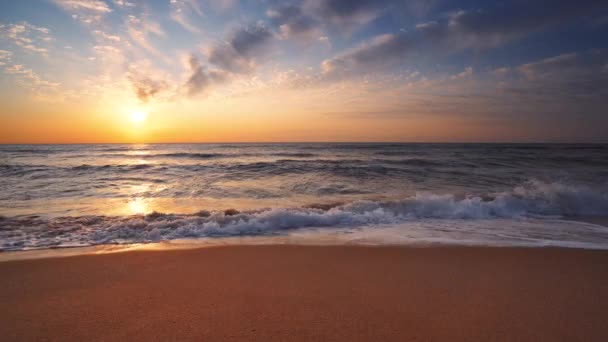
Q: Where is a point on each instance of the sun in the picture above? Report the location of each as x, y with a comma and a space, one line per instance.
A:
138, 116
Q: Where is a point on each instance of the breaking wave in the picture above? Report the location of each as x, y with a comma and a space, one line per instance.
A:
532, 200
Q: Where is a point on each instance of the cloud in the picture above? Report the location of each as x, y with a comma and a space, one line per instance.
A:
307, 20
548, 67
570, 75
238, 54
235, 56
248, 41
292, 22
32, 79
39, 86
5, 57
570, 80
461, 30
222, 5
124, 3
200, 79
380, 51
500, 24
27, 36
182, 10
87, 11
141, 29
109, 54
468, 72
105, 36
145, 86
517, 18
347, 15
88, 5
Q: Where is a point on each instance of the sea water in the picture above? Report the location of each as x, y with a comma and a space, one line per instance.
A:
371, 193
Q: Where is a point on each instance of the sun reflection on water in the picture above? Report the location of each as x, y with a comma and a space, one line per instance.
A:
138, 206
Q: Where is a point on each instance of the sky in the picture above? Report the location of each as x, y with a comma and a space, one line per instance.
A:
85, 71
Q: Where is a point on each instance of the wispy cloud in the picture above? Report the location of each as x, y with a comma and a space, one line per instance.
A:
570, 75
347, 14
310, 19
5, 57
124, 3
106, 36
40, 87
88, 5
141, 29
87, 11
27, 36
183, 10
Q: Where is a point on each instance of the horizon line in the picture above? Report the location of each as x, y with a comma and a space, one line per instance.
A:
313, 142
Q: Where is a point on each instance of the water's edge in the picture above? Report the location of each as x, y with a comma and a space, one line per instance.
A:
307, 238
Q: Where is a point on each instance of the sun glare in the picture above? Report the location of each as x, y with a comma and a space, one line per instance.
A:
138, 116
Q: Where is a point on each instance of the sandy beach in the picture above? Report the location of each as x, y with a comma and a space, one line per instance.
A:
296, 293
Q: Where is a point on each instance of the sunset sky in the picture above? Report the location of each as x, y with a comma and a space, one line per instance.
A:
76, 71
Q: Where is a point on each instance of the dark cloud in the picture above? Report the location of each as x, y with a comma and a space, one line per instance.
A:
247, 41
348, 14
486, 28
523, 16
292, 22
473, 29
238, 54
144, 86
549, 67
573, 75
201, 79
235, 56
377, 53
308, 19
344, 9
198, 80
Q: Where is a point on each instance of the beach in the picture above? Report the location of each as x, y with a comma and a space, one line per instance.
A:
306, 293
303, 170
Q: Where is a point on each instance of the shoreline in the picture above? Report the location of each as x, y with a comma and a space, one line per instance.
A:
287, 292
170, 246
589, 232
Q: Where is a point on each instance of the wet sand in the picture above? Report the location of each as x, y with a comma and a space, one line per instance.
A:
304, 293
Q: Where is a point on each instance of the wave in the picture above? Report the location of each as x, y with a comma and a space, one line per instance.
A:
209, 155
126, 148
533, 199
185, 155
8, 170
334, 167
33, 150
414, 162
293, 154
123, 167
400, 153
133, 179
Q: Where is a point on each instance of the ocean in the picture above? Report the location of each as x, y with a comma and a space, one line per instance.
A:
56, 196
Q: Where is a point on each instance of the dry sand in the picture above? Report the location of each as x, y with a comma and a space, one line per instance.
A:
291, 293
